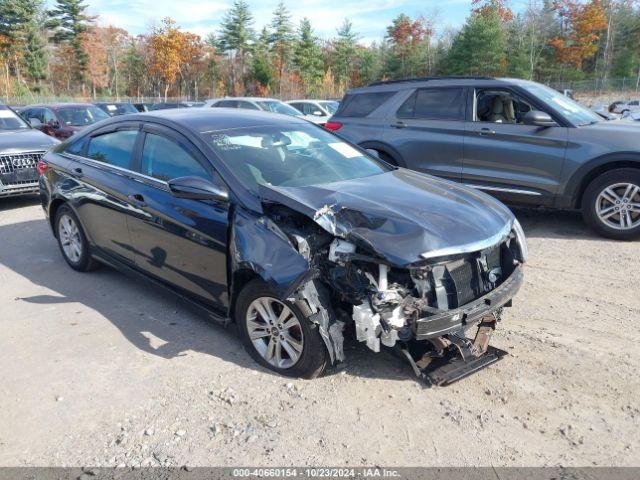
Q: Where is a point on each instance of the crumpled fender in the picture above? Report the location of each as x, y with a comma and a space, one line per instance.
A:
256, 243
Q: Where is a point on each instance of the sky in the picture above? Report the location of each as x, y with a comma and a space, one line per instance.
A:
369, 17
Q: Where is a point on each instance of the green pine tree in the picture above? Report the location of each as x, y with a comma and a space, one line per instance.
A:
236, 37
281, 39
345, 52
308, 57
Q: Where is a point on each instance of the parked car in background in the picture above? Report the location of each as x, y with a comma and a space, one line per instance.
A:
614, 107
116, 108
257, 103
316, 111
142, 107
61, 120
518, 140
631, 116
622, 107
21, 147
294, 234
168, 105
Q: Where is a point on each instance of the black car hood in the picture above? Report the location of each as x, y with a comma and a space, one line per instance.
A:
399, 215
24, 140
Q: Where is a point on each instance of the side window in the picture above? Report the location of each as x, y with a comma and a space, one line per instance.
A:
227, 104
434, 103
247, 106
362, 104
48, 116
309, 108
76, 147
164, 159
298, 106
500, 106
114, 148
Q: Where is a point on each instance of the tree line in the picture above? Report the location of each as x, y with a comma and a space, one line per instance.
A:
63, 51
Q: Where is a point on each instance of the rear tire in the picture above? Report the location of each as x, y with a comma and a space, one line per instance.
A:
72, 241
277, 334
611, 204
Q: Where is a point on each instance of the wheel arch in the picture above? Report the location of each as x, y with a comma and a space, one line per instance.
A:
384, 148
588, 172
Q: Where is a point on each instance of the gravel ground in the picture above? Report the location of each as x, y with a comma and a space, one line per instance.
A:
98, 369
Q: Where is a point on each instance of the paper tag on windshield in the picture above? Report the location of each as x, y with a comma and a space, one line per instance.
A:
345, 149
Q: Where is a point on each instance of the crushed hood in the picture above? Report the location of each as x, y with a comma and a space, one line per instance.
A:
399, 214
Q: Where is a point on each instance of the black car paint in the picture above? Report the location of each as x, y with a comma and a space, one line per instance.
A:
205, 249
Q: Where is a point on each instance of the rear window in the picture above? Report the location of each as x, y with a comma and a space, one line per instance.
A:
432, 103
362, 104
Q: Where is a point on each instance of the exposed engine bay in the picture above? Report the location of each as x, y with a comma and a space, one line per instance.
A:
423, 309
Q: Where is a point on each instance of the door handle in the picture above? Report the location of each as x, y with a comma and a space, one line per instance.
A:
399, 125
485, 131
77, 173
137, 200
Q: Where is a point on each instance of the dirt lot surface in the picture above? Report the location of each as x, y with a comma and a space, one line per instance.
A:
98, 369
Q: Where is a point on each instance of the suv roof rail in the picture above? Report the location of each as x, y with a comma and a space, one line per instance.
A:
426, 79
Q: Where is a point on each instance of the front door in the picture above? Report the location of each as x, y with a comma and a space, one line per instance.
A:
515, 162
182, 242
428, 131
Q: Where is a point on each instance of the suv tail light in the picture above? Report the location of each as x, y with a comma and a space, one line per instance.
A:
42, 167
333, 126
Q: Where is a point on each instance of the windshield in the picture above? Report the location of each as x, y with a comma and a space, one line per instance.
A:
10, 121
290, 156
81, 116
119, 108
277, 107
330, 106
572, 110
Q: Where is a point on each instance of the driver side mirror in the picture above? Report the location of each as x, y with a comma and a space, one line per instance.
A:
35, 122
197, 188
539, 119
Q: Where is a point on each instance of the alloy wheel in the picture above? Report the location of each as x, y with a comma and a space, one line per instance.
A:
275, 332
70, 239
618, 206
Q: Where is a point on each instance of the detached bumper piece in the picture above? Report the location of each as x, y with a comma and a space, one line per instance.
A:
442, 372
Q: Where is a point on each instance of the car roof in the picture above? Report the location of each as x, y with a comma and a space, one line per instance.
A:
213, 119
113, 103
461, 81
252, 99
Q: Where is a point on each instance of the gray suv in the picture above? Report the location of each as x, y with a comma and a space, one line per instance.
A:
525, 143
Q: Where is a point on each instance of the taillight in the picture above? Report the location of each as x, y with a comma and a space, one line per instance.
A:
333, 126
42, 167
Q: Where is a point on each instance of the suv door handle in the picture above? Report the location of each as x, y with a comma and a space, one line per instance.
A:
399, 125
485, 131
137, 200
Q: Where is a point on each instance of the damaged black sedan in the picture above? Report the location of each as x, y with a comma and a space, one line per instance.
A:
294, 234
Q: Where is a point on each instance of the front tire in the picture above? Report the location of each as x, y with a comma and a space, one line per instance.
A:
277, 334
72, 241
611, 204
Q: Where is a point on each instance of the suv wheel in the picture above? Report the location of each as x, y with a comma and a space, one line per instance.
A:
277, 334
611, 204
72, 241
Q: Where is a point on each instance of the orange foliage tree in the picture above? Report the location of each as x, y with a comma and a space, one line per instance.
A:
96, 67
582, 25
482, 7
166, 48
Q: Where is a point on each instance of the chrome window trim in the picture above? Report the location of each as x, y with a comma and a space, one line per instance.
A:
503, 189
473, 246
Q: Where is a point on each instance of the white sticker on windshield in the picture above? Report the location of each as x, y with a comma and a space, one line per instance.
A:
345, 149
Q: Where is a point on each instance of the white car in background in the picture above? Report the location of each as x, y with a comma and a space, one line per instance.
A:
255, 103
317, 111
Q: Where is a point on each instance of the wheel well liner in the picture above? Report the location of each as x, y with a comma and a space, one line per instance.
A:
53, 208
239, 279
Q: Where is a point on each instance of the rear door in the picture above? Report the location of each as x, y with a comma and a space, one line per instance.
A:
101, 174
515, 162
427, 130
182, 242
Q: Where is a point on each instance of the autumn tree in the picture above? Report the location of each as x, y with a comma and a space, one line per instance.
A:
483, 7
96, 67
409, 41
582, 25
166, 47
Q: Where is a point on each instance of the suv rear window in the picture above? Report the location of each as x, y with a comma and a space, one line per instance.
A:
361, 104
432, 103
